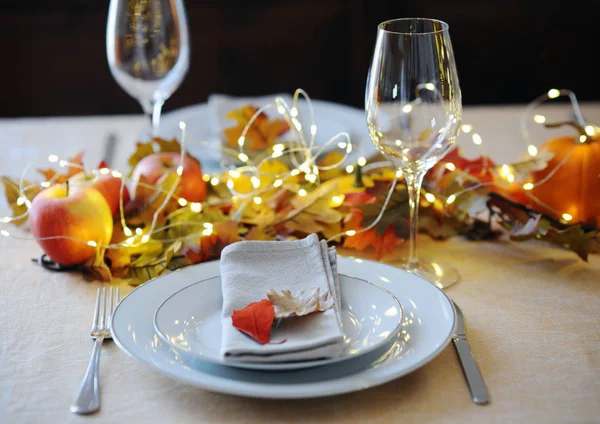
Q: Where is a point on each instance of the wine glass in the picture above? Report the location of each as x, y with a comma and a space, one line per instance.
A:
147, 45
413, 107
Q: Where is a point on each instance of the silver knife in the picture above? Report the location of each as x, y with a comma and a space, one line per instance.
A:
475, 382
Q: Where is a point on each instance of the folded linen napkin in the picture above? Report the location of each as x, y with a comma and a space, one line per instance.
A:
249, 269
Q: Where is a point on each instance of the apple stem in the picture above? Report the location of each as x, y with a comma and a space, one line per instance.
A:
67, 184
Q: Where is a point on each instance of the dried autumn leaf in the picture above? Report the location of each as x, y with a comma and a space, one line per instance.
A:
13, 194
574, 237
383, 244
303, 303
210, 247
95, 268
255, 320
261, 135
74, 167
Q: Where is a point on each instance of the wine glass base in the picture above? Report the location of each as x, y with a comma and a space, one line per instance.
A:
440, 274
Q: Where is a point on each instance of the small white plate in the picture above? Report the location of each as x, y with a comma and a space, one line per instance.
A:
427, 327
190, 320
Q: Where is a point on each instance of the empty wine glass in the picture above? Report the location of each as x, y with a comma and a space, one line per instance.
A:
147, 45
413, 106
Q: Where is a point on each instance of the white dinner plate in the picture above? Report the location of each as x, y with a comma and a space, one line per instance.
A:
190, 321
330, 119
427, 327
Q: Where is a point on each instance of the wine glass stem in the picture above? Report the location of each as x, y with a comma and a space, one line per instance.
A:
413, 183
156, 110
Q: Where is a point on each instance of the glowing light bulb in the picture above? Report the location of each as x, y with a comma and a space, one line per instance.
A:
277, 154
182, 201
214, 181
53, 158
179, 170
302, 192
92, 243
230, 184
342, 144
430, 197
281, 109
295, 172
234, 174
20, 201
196, 207
429, 86
407, 108
527, 186
257, 200
297, 124
116, 174
104, 171
540, 119
206, 177
255, 182
243, 157
477, 139
45, 184
277, 183
399, 173
337, 200
208, 225
279, 147
567, 217
532, 150
311, 178
505, 170
294, 112
450, 166
207, 232
350, 233
582, 138
6, 219
350, 169
139, 231
590, 130
510, 178
451, 199
241, 141
313, 129
145, 238
5, 233
466, 128
553, 93
62, 163
127, 231
361, 161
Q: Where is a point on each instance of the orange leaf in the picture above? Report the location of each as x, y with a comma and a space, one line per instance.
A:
383, 244
261, 135
255, 320
210, 247
76, 160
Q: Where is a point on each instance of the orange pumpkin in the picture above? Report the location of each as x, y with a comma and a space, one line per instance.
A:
574, 188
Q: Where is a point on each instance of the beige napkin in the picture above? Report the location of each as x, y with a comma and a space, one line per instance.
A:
249, 269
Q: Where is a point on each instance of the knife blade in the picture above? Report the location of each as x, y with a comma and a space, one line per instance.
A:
477, 387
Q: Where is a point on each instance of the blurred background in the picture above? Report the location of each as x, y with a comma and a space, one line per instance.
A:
54, 55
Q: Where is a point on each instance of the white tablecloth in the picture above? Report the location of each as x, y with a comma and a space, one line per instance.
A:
532, 310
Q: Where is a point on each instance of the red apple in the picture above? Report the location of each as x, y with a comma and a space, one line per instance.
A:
152, 167
108, 185
78, 212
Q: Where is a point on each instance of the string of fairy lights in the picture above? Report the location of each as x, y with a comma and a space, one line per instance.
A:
303, 153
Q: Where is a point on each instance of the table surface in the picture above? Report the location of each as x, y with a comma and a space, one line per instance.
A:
532, 312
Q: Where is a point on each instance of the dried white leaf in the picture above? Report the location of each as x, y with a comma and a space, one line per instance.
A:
286, 304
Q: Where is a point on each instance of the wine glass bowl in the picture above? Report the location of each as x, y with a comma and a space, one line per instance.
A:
147, 46
413, 108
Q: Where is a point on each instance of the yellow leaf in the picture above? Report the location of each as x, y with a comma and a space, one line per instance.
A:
260, 135
12, 193
330, 159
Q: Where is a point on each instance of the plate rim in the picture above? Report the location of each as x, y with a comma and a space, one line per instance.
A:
282, 366
281, 394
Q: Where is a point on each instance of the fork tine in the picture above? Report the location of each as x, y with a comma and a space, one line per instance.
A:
112, 307
96, 312
101, 325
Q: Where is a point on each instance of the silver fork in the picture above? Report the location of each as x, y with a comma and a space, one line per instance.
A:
88, 399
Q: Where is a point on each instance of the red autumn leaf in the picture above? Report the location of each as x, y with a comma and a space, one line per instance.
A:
255, 320
478, 168
383, 244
